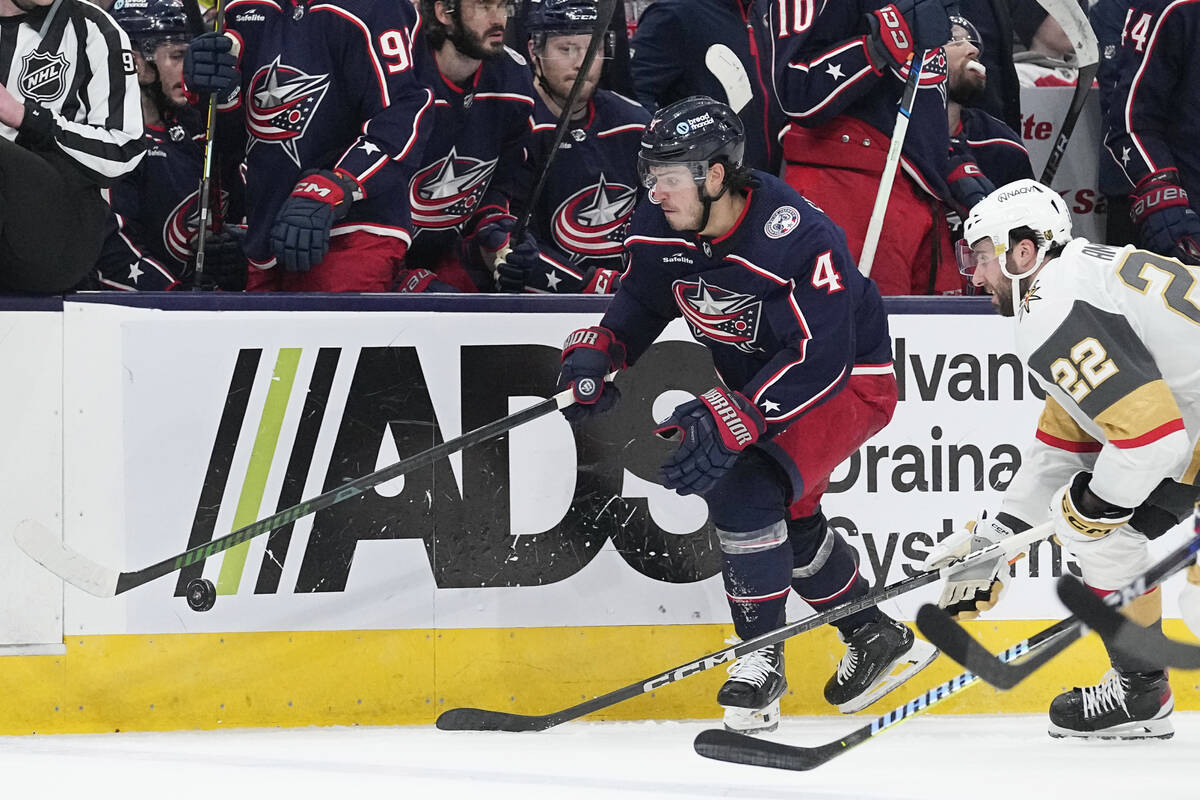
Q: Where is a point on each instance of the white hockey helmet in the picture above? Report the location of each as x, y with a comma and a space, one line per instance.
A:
1020, 204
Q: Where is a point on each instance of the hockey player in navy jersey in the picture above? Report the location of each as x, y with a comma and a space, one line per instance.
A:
800, 340
583, 212
1152, 122
152, 223
461, 195
839, 73
322, 103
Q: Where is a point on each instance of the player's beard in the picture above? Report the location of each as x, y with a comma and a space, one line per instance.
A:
474, 46
966, 92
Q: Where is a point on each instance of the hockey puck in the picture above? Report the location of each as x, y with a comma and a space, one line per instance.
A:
201, 594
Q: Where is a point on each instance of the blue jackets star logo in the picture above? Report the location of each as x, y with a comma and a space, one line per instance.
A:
719, 314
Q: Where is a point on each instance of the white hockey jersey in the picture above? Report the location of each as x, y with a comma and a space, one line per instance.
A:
1113, 335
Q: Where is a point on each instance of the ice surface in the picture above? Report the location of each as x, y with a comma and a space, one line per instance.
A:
927, 758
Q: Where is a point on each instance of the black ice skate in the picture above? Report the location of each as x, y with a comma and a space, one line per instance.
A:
1129, 705
751, 695
879, 657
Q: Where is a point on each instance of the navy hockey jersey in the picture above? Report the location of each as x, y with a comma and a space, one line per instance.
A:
474, 161
683, 48
328, 85
1155, 110
592, 188
821, 68
993, 145
777, 300
153, 217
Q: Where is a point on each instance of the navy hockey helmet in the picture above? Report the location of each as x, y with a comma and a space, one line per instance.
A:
149, 23
695, 132
963, 30
561, 16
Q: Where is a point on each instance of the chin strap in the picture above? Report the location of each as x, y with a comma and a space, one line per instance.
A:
707, 202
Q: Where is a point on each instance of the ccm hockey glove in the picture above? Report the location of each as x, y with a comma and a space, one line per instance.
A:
975, 588
712, 431
1164, 218
588, 355
1082, 518
300, 235
968, 185
907, 27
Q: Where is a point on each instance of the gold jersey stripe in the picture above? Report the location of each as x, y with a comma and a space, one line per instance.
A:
1149, 408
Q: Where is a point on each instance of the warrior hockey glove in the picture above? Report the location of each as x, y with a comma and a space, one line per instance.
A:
300, 235
516, 271
968, 185
224, 262
712, 431
1166, 223
588, 355
1080, 517
975, 588
210, 64
907, 26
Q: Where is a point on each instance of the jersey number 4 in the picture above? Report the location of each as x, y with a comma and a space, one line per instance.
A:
825, 276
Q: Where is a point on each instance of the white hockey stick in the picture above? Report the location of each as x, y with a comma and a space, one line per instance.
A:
875, 226
1074, 23
726, 68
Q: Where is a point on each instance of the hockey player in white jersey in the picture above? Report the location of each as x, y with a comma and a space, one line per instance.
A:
1113, 335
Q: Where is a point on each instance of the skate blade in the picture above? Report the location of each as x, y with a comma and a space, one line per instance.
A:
1127, 732
918, 657
752, 721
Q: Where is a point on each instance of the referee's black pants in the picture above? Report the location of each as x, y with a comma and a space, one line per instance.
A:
51, 221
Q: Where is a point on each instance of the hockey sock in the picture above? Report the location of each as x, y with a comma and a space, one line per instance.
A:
1145, 610
756, 585
825, 571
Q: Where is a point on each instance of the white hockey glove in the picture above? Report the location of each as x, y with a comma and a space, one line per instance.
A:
1080, 517
975, 588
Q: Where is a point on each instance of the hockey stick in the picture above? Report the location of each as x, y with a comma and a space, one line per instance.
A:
204, 201
875, 226
729, 71
1122, 633
477, 719
604, 12
43, 545
738, 748
1074, 22
953, 640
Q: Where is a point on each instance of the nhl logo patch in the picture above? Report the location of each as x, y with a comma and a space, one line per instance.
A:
782, 222
43, 76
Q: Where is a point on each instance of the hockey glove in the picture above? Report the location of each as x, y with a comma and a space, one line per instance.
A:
300, 235
588, 355
907, 27
968, 185
712, 431
1164, 218
492, 236
210, 64
515, 272
974, 588
1082, 518
224, 262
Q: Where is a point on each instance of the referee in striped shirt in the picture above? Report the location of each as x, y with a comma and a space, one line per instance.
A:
70, 122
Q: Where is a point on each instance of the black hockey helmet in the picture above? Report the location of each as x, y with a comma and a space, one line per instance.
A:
695, 132
963, 30
561, 16
149, 23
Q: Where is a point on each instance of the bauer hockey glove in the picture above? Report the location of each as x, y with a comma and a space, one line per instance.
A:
974, 588
516, 271
1165, 220
300, 235
588, 355
712, 431
210, 64
1080, 517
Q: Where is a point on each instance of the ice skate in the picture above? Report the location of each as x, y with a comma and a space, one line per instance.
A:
1123, 705
751, 695
879, 657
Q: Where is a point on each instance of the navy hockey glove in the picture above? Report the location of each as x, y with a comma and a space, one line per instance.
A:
907, 26
300, 235
492, 236
712, 431
588, 355
210, 64
968, 185
224, 262
515, 272
1166, 223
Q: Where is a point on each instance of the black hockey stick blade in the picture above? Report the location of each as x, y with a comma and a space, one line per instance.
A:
1122, 633
738, 748
944, 632
481, 719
